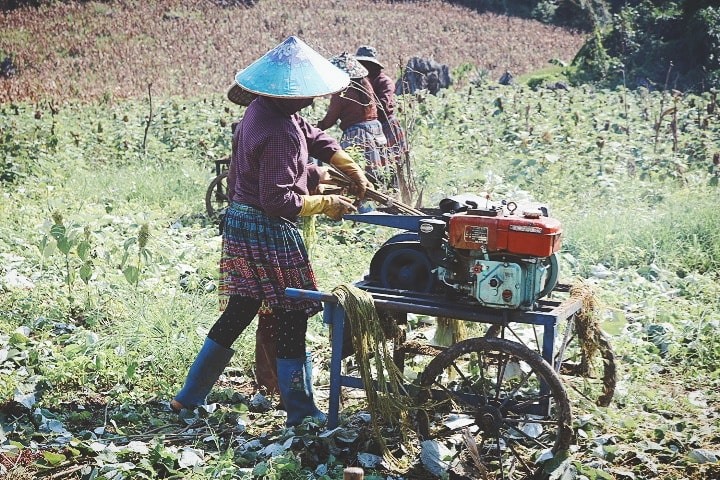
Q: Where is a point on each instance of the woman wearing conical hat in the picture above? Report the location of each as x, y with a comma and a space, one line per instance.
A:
265, 368
263, 252
356, 109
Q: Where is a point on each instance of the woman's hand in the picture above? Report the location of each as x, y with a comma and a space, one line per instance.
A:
343, 162
334, 206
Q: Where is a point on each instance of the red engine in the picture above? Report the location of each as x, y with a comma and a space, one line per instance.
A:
500, 256
529, 233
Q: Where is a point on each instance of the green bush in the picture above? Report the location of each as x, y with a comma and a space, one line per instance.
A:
656, 44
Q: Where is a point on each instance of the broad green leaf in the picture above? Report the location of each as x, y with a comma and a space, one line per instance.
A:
64, 245
131, 274
49, 248
138, 447
18, 338
260, 470
54, 458
83, 249
190, 457
57, 231
74, 452
86, 272
130, 370
704, 455
124, 259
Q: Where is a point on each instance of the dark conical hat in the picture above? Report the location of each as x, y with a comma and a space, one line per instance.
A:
292, 70
349, 65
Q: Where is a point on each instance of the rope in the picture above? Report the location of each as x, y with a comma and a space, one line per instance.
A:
386, 395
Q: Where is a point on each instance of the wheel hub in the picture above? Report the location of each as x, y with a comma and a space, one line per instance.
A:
489, 419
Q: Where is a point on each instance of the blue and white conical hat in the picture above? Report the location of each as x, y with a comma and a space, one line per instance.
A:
292, 70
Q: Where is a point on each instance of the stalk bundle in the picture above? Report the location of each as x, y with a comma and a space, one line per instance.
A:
392, 205
386, 395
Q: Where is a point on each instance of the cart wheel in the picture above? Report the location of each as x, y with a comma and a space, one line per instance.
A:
216, 199
501, 396
593, 378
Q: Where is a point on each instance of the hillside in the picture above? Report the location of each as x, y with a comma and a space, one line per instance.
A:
114, 50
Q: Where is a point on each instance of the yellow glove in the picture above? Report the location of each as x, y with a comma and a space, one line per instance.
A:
334, 206
345, 164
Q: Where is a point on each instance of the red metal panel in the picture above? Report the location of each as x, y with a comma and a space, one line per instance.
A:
516, 234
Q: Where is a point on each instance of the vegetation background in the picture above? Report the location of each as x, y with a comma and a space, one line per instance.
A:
116, 49
111, 114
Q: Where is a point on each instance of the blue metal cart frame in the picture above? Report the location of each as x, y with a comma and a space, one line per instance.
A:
548, 314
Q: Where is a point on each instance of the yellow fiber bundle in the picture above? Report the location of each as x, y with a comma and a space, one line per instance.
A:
309, 234
586, 322
386, 395
449, 331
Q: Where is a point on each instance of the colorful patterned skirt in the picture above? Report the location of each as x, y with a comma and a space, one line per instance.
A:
369, 138
396, 141
261, 256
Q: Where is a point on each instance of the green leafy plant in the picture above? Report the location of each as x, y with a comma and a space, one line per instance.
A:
142, 255
640, 221
75, 248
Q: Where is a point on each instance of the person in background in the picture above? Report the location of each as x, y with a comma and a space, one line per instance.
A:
356, 109
384, 88
262, 251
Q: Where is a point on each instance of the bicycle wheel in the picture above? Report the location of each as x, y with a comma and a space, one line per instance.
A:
502, 398
216, 198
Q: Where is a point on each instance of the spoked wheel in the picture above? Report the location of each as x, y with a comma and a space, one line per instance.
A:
216, 196
500, 396
586, 365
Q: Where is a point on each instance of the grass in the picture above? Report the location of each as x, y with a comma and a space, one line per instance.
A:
123, 345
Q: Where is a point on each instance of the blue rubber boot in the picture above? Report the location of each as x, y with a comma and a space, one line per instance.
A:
295, 382
204, 372
307, 370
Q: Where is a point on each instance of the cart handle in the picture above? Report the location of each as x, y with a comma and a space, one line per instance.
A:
311, 295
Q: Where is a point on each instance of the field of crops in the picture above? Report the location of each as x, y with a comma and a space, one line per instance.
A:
113, 50
108, 260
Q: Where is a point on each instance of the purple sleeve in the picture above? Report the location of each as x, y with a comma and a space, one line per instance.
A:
313, 179
279, 168
320, 145
385, 91
332, 115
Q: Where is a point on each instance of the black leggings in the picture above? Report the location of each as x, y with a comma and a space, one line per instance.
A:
292, 326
